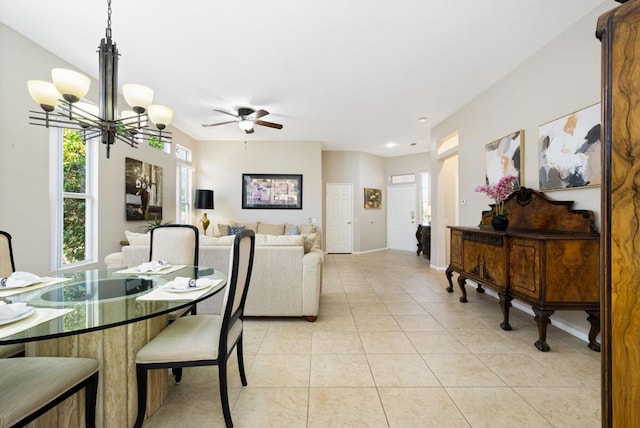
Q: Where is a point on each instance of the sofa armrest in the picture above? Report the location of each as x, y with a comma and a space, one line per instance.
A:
114, 260
312, 282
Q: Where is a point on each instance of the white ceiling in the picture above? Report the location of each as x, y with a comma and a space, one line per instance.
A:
354, 74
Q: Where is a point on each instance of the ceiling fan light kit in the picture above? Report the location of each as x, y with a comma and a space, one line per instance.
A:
246, 119
61, 109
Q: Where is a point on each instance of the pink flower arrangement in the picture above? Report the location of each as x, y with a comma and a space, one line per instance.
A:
499, 192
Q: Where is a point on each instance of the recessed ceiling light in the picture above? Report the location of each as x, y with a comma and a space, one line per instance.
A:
390, 145
422, 119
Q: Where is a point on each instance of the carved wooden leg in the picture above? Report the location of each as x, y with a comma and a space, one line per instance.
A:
594, 320
461, 282
542, 318
449, 273
505, 304
479, 289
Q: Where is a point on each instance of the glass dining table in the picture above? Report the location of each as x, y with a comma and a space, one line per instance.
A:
107, 314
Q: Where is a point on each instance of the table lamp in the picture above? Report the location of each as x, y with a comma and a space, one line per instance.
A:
204, 201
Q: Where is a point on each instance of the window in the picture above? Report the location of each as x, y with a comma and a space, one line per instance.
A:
74, 199
184, 185
402, 179
425, 198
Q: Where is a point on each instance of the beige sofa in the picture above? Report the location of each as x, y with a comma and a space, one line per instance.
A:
286, 278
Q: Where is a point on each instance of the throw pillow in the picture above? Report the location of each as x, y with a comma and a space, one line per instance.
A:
309, 240
270, 229
222, 229
137, 238
232, 230
291, 229
249, 226
307, 228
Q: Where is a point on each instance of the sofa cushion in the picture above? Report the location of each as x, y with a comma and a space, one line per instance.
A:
137, 238
279, 240
234, 230
209, 241
270, 229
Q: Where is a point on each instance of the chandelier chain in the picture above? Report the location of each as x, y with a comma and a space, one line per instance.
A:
108, 19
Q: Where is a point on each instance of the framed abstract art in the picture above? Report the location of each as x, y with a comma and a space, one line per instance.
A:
505, 157
569, 150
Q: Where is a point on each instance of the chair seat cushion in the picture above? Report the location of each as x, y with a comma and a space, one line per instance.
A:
192, 338
28, 384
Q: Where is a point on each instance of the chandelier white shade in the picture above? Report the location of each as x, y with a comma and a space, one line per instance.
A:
71, 84
139, 97
161, 116
44, 93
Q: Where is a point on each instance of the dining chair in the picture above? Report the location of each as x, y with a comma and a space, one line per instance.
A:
204, 340
7, 267
31, 386
178, 245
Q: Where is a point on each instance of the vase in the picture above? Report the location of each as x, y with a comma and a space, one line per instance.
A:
499, 223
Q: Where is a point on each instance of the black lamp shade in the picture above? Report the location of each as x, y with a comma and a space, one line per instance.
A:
204, 199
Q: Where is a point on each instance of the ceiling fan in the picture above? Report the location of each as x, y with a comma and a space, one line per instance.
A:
246, 119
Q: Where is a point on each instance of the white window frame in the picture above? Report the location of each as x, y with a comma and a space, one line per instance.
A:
184, 164
57, 196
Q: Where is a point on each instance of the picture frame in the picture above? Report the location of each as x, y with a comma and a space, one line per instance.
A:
570, 150
505, 157
372, 198
143, 190
272, 191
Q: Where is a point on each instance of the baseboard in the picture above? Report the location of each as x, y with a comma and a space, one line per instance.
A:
375, 250
578, 331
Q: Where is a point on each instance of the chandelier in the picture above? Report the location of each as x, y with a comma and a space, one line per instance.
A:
62, 108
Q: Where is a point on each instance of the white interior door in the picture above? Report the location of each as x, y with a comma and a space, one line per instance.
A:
339, 218
401, 217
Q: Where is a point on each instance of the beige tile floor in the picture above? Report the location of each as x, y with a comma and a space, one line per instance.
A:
391, 348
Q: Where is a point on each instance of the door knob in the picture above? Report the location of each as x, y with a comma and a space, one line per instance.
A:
348, 222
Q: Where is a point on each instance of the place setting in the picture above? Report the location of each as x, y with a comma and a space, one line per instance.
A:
155, 267
182, 288
20, 282
18, 316
12, 312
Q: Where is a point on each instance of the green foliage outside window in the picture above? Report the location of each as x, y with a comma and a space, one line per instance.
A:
74, 173
155, 142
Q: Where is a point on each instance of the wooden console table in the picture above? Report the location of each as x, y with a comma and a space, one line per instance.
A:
548, 257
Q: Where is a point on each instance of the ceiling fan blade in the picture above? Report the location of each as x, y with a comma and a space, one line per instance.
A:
216, 124
260, 113
250, 131
225, 112
269, 124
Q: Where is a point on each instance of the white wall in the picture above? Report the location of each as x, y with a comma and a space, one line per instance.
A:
562, 77
220, 166
24, 163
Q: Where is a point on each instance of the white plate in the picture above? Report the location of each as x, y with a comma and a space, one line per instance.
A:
25, 314
187, 289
